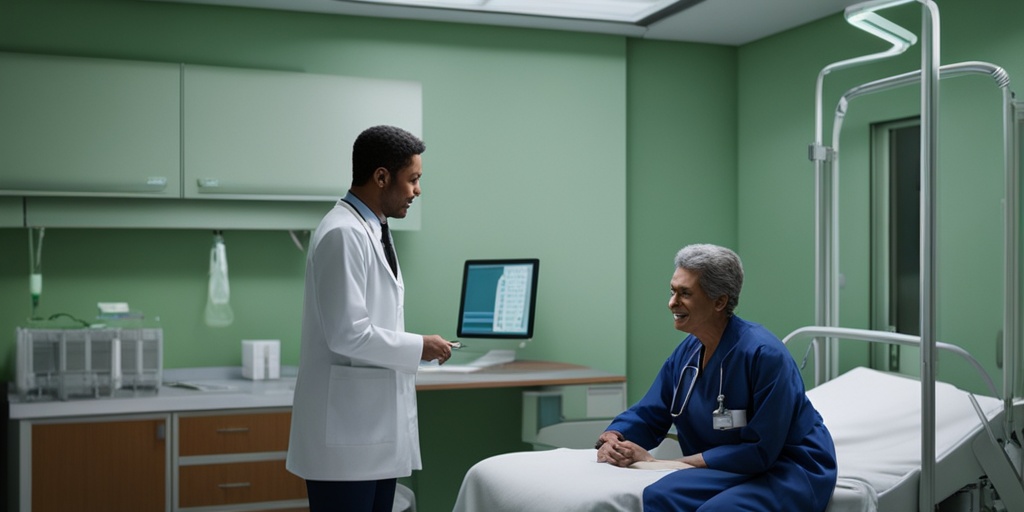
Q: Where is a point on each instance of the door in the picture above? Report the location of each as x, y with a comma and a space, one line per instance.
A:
895, 238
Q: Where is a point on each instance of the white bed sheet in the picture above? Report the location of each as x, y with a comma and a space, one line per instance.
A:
875, 420
873, 416
562, 479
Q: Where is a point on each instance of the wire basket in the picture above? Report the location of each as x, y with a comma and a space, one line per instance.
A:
88, 363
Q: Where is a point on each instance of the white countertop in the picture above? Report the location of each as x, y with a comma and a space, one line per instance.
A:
225, 389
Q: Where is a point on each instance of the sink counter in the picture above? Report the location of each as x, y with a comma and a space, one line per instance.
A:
191, 389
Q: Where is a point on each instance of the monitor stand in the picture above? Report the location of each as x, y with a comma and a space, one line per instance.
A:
494, 358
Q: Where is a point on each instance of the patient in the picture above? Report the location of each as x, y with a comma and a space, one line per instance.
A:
751, 439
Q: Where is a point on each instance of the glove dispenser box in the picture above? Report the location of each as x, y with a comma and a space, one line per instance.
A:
261, 359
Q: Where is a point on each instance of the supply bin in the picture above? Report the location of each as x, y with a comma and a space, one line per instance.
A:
87, 363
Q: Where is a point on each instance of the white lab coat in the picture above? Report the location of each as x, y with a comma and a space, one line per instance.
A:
354, 413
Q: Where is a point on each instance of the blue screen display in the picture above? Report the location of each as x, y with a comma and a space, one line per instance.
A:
498, 298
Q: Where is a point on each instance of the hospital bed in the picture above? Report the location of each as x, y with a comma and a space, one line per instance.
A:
902, 443
874, 418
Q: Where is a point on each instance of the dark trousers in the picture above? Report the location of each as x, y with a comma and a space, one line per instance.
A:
366, 496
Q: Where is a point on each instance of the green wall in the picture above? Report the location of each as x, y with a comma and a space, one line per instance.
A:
526, 137
776, 183
682, 181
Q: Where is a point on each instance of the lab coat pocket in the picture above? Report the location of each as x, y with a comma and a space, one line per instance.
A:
361, 406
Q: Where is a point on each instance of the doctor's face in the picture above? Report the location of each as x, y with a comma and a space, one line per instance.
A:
692, 309
403, 188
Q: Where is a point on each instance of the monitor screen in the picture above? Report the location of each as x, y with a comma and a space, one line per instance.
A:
498, 298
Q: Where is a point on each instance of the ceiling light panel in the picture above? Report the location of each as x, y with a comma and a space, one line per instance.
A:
627, 11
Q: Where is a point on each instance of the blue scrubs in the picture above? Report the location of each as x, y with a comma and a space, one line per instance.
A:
782, 460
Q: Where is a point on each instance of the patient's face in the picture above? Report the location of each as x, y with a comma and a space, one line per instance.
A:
691, 307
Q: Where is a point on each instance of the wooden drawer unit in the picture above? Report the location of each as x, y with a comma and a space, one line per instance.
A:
229, 461
233, 433
240, 482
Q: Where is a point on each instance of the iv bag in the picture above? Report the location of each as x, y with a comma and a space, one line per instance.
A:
218, 306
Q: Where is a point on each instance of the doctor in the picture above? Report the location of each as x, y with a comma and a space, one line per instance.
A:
751, 438
354, 423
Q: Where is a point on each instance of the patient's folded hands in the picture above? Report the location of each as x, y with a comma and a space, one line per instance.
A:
621, 453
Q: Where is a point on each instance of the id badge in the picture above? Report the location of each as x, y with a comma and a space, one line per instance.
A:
729, 419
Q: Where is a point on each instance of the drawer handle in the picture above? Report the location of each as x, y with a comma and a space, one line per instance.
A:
232, 430
208, 183
234, 485
157, 182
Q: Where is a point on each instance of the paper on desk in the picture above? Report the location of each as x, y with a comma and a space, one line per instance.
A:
449, 368
201, 386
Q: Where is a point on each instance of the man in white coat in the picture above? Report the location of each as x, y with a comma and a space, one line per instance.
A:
354, 425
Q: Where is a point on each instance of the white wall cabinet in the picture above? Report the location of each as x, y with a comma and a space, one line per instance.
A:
11, 212
96, 127
277, 135
100, 128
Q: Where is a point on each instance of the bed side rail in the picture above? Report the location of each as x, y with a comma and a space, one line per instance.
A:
818, 332
1000, 458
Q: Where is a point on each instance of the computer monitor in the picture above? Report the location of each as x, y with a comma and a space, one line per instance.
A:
498, 299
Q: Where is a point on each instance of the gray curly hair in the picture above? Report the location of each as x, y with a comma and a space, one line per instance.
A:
719, 270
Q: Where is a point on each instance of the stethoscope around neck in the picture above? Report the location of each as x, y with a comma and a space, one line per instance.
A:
694, 370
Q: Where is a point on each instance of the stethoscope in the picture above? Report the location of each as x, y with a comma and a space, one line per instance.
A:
695, 371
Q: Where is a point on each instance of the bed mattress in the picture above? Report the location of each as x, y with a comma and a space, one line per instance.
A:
875, 421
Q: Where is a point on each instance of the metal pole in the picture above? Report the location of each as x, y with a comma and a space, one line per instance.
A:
929, 123
1011, 259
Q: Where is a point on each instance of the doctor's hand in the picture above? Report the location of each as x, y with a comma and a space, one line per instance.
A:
620, 452
435, 347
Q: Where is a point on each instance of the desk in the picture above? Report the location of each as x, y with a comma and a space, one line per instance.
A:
240, 393
516, 374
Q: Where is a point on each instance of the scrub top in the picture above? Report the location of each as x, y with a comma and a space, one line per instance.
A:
783, 459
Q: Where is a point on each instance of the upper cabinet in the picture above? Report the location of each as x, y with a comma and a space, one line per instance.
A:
89, 127
11, 212
235, 148
253, 134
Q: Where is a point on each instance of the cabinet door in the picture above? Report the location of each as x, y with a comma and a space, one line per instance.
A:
75, 126
12, 212
109, 465
274, 135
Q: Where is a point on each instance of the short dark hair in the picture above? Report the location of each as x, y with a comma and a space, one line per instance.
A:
383, 146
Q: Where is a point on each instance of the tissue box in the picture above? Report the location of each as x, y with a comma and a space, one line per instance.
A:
261, 359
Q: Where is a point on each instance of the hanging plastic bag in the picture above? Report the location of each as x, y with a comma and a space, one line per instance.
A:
218, 305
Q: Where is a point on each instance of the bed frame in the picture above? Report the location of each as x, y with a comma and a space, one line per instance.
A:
827, 332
